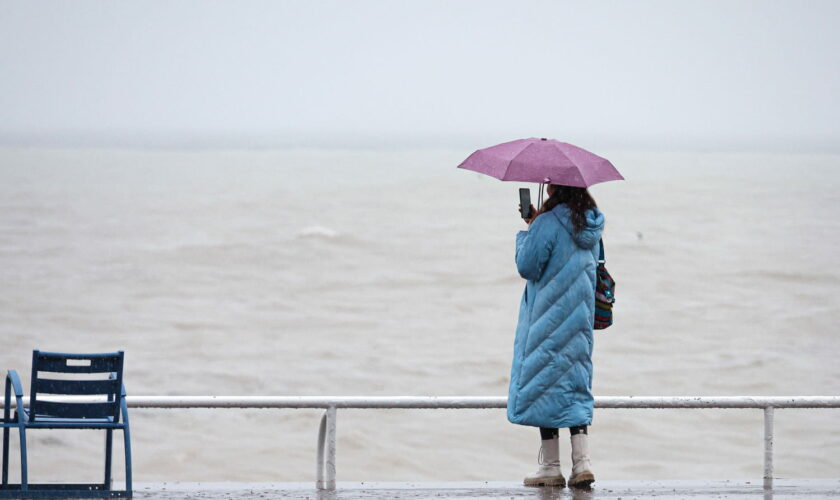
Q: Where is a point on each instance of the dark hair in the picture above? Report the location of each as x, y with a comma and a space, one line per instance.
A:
576, 198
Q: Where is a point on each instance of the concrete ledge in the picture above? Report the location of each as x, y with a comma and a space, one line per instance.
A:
787, 489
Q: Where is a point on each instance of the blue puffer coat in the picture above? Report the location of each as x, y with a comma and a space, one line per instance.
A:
551, 376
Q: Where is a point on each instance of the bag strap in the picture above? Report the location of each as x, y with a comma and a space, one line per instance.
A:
601, 252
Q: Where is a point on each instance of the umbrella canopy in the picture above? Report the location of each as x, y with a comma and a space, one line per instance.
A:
544, 161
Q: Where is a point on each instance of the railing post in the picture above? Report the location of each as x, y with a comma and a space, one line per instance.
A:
330, 465
326, 442
768, 447
319, 465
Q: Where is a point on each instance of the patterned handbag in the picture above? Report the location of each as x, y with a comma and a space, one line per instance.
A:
604, 294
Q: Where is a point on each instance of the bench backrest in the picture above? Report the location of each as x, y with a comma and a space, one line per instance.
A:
81, 375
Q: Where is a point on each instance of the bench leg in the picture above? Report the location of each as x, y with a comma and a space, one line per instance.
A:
24, 472
5, 456
127, 441
109, 440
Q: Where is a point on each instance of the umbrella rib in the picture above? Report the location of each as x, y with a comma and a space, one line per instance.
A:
505, 177
582, 178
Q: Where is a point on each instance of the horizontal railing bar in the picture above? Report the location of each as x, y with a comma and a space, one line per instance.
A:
461, 402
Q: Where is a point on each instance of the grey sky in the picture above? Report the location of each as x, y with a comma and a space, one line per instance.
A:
660, 74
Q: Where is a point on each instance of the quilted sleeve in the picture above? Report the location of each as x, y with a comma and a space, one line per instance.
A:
533, 248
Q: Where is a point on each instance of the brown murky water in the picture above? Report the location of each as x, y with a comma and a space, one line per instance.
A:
391, 273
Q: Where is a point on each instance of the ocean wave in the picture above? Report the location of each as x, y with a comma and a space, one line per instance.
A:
318, 232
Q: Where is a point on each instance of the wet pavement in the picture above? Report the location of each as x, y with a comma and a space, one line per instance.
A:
787, 489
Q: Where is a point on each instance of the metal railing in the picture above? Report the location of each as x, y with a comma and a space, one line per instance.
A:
326, 451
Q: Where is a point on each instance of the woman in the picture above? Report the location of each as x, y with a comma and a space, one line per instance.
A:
551, 376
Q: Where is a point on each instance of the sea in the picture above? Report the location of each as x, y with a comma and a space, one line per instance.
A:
307, 272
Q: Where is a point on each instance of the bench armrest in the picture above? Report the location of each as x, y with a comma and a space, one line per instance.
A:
123, 405
12, 376
13, 382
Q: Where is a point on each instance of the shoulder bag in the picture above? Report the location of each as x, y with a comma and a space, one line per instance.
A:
604, 293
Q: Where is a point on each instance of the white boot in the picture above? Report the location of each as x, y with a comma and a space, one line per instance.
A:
549, 473
582, 476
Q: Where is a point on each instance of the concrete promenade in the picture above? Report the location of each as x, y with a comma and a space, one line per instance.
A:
787, 489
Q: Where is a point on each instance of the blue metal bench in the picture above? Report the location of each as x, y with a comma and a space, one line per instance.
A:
90, 394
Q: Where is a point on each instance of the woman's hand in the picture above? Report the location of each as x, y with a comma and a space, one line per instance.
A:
533, 213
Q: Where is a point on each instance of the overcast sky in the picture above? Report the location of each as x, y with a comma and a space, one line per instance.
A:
653, 74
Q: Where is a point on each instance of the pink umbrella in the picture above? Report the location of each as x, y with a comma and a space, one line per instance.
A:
544, 161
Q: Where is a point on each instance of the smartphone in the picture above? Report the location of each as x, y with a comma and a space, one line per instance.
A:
525, 203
